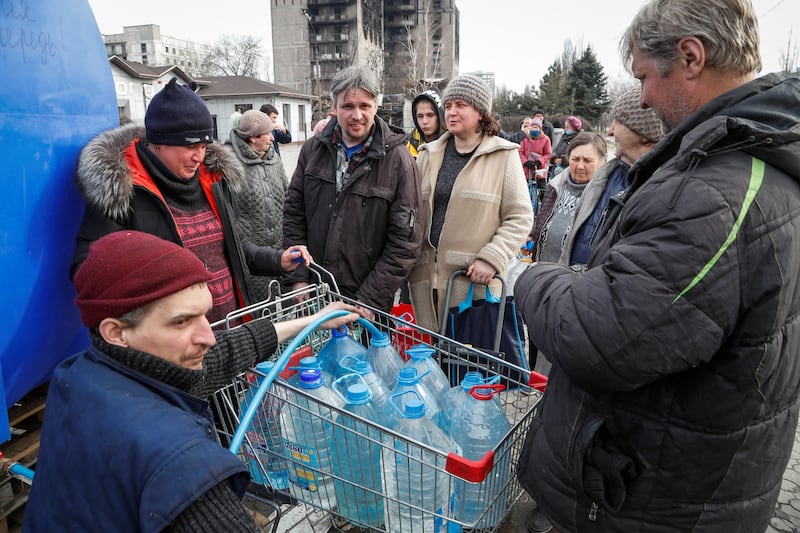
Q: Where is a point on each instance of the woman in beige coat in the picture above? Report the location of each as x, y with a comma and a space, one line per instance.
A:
477, 207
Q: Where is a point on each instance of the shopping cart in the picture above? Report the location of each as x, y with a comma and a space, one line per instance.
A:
251, 431
537, 185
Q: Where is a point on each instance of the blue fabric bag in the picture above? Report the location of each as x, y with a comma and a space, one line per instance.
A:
493, 326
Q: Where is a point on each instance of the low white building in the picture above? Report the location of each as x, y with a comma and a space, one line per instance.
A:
136, 84
226, 94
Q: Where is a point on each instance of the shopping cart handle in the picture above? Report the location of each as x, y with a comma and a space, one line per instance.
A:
261, 391
537, 381
473, 471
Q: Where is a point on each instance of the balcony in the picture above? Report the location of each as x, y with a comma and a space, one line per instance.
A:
399, 8
312, 3
331, 19
399, 23
329, 38
328, 56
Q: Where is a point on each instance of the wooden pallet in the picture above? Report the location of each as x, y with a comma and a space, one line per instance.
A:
25, 420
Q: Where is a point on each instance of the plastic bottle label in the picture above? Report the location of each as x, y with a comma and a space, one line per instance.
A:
261, 458
302, 455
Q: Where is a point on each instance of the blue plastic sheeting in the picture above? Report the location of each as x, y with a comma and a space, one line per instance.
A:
56, 94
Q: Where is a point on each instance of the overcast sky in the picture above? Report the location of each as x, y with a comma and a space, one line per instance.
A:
515, 39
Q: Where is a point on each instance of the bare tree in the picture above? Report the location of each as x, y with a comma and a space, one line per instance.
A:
422, 49
236, 55
570, 53
789, 57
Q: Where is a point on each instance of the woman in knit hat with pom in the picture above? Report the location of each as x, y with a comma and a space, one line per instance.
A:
477, 206
572, 127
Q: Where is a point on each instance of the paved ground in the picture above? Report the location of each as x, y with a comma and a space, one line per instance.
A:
298, 519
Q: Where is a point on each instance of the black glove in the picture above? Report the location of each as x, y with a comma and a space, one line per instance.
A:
530, 164
537, 164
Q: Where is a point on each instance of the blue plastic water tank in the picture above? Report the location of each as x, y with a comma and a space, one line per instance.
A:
57, 93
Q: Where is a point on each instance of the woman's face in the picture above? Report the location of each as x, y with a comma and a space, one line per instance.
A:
583, 161
462, 119
261, 143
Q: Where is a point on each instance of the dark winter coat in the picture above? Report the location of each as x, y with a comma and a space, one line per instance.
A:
146, 456
368, 235
259, 203
673, 395
141, 479
120, 194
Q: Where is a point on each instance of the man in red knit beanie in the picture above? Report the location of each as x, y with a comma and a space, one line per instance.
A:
130, 412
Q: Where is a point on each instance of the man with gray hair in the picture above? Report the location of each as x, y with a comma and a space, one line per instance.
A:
673, 395
355, 197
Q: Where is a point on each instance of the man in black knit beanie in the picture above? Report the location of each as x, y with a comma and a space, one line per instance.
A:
128, 442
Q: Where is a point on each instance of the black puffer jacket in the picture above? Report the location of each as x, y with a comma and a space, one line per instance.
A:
369, 235
673, 397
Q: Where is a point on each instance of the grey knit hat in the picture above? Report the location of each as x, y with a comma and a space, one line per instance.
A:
253, 123
472, 90
642, 122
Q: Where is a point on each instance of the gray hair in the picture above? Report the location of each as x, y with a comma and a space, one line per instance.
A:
354, 77
728, 30
594, 140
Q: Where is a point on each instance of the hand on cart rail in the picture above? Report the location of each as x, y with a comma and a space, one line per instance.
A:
289, 328
366, 312
481, 272
295, 256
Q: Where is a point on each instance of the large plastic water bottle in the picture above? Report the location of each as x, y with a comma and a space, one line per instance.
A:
307, 428
430, 373
454, 397
479, 425
338, 346
414, 475
361, 372
385, 360
357, 459
408, 380
264, 445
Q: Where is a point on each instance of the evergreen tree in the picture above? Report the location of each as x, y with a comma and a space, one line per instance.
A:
586, 83
553, 97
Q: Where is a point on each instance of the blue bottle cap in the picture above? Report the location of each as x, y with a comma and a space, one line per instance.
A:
309, 362
311, 378
339, 332
379, 339
265, 366
470, 380
420, 351
407, 376
414, 408
363, 367
358, 394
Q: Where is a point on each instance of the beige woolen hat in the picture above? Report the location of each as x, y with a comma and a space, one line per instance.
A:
254, 123
472, 90
642, 122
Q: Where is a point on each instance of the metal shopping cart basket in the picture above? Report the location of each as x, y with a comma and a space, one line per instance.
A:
253, 401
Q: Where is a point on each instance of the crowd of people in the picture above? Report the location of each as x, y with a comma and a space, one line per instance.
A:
663, 290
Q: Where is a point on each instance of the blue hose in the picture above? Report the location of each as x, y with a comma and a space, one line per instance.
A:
263, 387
